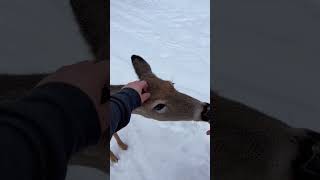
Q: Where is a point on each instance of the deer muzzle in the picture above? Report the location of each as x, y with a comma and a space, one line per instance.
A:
207, 113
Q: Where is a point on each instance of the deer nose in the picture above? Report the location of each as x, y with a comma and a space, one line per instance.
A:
207, 114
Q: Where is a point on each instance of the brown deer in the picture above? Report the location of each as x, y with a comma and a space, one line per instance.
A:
165, 103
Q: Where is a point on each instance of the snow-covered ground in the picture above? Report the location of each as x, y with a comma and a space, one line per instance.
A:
173, 36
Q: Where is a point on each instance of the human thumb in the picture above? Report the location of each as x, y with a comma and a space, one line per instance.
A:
144, 97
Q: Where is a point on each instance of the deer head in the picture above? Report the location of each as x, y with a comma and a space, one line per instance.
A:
166, 103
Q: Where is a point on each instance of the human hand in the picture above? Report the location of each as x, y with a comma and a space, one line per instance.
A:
90, 77
141, 87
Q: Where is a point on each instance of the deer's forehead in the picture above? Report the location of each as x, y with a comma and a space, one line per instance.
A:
160, 87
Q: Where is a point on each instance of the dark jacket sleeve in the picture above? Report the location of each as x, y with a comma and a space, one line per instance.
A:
39, 132
122, 104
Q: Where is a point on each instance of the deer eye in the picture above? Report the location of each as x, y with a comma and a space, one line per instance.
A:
160, 108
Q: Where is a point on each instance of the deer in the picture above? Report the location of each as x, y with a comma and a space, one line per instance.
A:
165, 103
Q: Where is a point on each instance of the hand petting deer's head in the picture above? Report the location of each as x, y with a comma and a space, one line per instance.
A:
166, 103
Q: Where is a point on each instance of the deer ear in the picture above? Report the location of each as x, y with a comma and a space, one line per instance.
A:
141, 66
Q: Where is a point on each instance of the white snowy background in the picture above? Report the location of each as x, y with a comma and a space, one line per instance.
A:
174, 38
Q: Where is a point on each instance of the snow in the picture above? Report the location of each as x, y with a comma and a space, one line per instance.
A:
174, 38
